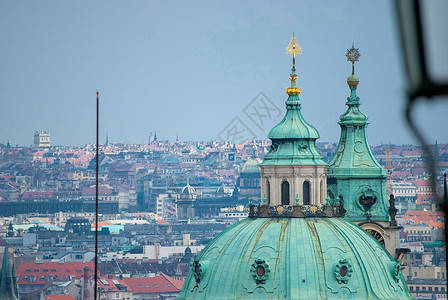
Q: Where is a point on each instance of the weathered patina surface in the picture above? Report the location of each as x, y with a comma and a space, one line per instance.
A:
303, 258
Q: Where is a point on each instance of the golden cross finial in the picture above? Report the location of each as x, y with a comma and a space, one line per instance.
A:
294, 47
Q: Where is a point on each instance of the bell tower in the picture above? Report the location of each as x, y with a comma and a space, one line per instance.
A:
293, 171
354, 173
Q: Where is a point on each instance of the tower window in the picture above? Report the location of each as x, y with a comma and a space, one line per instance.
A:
306, 193
268, 187
343, 271
285, 193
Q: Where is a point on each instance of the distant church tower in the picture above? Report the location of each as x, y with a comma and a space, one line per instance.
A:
355, 174
42, 139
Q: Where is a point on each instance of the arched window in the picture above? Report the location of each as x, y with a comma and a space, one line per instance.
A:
306, 193
322, 192
268, 191
285, 193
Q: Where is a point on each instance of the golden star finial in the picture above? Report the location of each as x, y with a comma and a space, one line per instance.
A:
294, 47
353, 56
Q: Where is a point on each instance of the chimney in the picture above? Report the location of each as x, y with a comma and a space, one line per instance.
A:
87, 287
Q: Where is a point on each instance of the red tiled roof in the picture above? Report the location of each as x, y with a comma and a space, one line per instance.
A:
424, 213
400, 174
422, 182
439, 225
91, 191
157, 284
38, 273
423, 217
424, 199
417, 171
411, 153
110, 284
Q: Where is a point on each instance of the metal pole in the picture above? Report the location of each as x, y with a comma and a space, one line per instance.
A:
96, 194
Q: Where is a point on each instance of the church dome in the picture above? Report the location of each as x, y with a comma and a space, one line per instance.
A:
188, 190
293, 126
294, 258
252, 166
223, 190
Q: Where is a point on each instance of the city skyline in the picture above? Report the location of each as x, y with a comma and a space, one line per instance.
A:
193, 70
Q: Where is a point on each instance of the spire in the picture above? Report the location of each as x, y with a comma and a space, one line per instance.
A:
293, 167
354, 161
7, 280
293, 139
353, 80
353, 116
293, 49
353, 151
436, 151
254, 153
155, 135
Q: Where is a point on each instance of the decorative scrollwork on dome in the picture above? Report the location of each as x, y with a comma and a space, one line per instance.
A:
280, 210
367, 198
396, 271
260, 271
313, 210
254, 211
198, 270
343, 271
303, 147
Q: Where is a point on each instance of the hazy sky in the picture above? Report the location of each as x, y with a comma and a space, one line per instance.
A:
196, 68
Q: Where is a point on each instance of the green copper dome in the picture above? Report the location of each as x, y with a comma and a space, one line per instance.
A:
294, 258
251, 166
188, 190
293, 124
223, 190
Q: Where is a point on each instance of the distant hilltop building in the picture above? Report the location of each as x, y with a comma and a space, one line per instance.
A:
42, 139
152, 137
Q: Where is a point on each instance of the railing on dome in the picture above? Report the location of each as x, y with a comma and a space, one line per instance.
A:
296, 211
